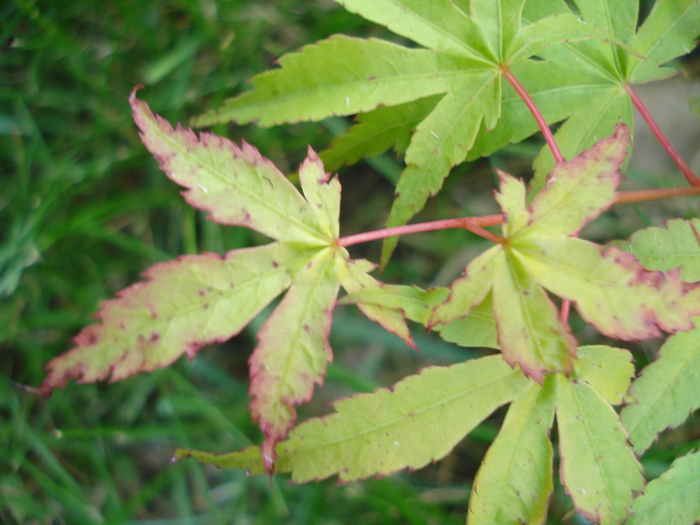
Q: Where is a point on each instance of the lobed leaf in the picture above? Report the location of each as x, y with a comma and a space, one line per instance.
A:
672, 498
420, 420
598, 468
590, 76
237, 186
184, 305
293, 350
667, 391
515, 478
677, 246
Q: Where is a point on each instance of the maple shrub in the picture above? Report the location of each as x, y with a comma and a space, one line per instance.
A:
486, 73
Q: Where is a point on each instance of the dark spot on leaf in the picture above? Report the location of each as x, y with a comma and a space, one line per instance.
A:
275, 264
205, 306
154, 338
201, 293
307, 328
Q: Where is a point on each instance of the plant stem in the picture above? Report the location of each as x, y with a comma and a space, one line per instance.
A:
685, 169
541, 122
473, 224
476, 224
655, 195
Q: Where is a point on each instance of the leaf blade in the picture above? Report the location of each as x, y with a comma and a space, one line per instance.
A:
354, 444
210, 299
514, 481
237, 186
293, 350
666, 392
598, 468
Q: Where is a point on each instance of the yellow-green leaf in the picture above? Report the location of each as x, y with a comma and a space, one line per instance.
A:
418, 421
598, 468
667, 391
515, 479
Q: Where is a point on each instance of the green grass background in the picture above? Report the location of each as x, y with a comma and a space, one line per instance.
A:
84, 210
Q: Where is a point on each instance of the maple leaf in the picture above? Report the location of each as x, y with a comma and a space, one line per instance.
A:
610, 289
465, 51
584, 83
202, 299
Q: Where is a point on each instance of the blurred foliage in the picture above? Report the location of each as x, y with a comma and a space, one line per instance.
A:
84, 210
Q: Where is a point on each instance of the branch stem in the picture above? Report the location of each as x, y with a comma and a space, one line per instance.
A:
685, 169
541, 122
476, 224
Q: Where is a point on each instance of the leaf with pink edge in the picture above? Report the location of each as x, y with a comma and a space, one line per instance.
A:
237, 186
293, 350
598, 468
184, 305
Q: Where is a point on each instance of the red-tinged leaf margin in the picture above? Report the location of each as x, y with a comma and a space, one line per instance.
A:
249, 191
293, 351
130, 321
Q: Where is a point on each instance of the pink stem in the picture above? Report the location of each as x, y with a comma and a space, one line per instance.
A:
541, 122
474, 224
685, 169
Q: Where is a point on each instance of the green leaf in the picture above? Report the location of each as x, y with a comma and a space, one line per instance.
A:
339, 76
293, 350
515, 478
667, 391
385, 304
237, 186
587, 79
478, 329
598, 469
184, 305
608, 370
672, 498
463, 59
577, 191
420, 420
377, 131
665, 249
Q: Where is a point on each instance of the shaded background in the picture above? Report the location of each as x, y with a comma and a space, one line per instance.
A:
84, 210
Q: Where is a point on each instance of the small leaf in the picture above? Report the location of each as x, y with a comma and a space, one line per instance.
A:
237, 186
515, 479
358, 283
184, 305
377, 131
476, 330
665, 249
608, 370
293, 350
667, 391
420, 420
598, 469
673, 498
